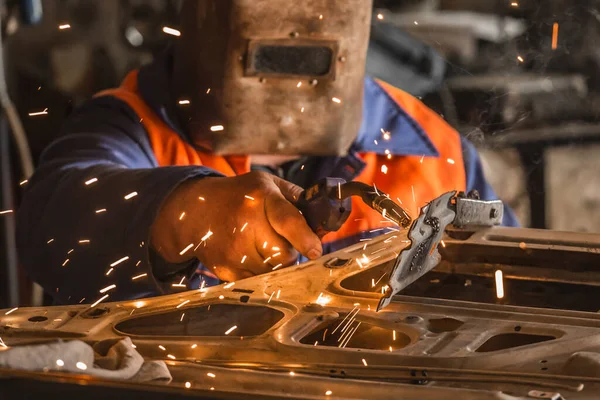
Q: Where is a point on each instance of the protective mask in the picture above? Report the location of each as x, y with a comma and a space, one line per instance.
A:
273, 76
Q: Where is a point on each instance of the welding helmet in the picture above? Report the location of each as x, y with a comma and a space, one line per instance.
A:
272, 76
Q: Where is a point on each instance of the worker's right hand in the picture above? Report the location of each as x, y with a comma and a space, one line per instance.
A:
255, 227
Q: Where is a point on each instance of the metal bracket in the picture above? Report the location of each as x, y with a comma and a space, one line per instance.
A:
427, 231
478, 212
422, 255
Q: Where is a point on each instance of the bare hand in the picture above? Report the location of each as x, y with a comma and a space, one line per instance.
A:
248, 223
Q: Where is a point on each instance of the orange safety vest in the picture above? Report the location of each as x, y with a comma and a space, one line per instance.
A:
413, 180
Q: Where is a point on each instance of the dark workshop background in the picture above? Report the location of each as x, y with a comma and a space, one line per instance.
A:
519, 78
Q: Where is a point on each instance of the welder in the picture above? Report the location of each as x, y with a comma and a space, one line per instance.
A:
187, 174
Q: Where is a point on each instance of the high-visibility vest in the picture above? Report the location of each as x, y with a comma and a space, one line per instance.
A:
412, 180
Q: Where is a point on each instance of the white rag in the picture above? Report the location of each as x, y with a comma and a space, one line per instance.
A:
120, 361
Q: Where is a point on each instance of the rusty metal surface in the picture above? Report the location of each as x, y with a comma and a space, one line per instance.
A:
440, 348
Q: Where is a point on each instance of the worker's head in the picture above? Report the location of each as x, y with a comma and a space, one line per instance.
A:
273, 76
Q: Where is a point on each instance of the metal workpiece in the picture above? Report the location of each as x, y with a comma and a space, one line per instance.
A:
309, 330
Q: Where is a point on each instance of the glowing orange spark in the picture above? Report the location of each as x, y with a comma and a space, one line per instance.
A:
139, 277
359, 263
499, 284
171, 31
233, 328
101, 299
106, 289
183, 303
35, 114
189, 246
555, 36
119, 261
89, 182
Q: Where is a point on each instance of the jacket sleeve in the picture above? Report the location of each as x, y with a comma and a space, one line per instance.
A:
476, 180
86, 214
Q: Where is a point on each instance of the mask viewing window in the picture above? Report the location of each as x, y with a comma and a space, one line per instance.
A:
291, 59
